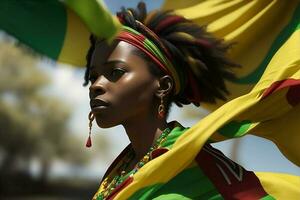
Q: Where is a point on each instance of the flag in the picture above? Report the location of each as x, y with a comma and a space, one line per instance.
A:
258, 29
58, 29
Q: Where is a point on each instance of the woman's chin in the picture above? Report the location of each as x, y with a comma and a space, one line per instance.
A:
105, 124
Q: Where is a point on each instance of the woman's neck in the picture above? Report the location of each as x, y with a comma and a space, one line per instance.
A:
143, 132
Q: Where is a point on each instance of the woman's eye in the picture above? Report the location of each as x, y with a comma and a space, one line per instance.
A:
117, 72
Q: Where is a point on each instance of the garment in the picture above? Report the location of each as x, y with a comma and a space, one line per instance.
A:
211, 175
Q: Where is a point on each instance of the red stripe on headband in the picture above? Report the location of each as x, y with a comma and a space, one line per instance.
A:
138, 42
168, 22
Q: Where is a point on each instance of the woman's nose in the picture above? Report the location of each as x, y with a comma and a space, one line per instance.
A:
98, 87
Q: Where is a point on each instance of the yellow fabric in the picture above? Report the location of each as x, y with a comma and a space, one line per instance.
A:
76, 41
280, 186
276, 119
96, 17
265, 114
252, 25
83, 18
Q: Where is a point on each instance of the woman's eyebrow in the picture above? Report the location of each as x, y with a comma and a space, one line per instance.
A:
94, 69
112, 62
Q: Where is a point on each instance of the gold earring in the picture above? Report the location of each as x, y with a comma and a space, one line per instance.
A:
161, 109
91, 119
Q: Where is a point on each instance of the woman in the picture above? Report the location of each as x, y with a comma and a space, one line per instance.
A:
158, 59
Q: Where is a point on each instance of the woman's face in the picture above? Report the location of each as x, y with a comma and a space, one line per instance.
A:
122, 87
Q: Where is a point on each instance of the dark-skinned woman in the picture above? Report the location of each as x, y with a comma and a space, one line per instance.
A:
158, 59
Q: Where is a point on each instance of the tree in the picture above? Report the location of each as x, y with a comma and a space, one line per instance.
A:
32, 124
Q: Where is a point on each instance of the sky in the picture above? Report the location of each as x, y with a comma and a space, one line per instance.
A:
66, 82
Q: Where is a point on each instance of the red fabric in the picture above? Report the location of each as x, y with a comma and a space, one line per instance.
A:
119, 188
278, 85
138, 42
249, 188
157, 152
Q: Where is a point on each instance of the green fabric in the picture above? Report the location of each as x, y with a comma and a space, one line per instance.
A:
235, 128
172, 137
151, 47
188, 184
145, 193
38, 24
96, 17
268, 198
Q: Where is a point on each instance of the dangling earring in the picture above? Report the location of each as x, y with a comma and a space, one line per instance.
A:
161, 109
89, 140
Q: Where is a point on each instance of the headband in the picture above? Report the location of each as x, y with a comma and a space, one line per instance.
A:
144, 44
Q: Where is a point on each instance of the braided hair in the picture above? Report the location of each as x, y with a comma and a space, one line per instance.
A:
190, 47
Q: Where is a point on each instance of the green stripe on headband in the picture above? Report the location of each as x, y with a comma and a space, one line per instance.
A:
155, 51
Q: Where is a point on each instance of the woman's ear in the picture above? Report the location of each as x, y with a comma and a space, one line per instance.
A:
165, 87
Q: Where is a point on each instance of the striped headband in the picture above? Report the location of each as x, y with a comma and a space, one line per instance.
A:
144, 44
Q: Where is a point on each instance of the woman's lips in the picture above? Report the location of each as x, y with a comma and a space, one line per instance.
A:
98, 105
98, 109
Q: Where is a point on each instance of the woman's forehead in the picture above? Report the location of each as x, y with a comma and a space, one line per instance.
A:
117, 50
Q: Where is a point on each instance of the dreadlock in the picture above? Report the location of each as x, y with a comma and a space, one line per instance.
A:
189, 46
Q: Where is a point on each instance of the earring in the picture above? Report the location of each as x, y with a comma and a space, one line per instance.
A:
161, 109
89, 140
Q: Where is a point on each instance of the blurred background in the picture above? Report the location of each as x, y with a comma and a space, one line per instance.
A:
44, 126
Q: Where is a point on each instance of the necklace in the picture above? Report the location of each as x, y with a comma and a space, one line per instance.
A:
121, 171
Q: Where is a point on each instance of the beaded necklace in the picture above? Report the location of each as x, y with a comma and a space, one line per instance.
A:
121, 173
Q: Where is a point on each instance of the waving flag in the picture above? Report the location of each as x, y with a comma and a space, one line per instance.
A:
258, 28
57, 29
267, 37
